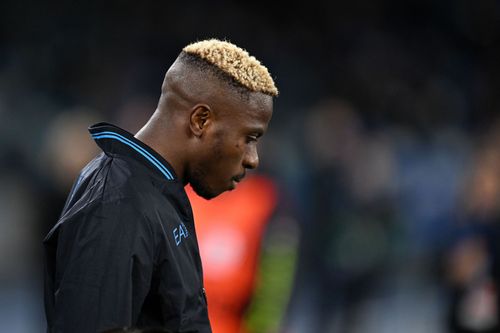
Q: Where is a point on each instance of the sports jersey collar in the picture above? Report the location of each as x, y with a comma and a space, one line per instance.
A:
112, 139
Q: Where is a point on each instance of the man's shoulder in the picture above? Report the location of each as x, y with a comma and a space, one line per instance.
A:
107, 189
115, 183
104, 180
130, 179
116, 177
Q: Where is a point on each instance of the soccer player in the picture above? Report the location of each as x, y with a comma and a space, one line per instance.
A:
124, 251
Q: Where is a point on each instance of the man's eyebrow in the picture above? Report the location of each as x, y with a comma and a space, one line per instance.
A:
257, 131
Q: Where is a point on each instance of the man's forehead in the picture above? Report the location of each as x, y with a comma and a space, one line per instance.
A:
255, 104
261, 101
254, 113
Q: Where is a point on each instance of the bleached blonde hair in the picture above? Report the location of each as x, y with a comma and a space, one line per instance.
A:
235, 62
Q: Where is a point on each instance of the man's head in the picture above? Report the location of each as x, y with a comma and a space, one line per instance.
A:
218, 100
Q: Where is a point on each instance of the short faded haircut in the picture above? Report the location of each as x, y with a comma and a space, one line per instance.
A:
232, 64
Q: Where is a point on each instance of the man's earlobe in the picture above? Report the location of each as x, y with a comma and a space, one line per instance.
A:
201, 116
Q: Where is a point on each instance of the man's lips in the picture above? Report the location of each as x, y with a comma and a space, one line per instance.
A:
238, 178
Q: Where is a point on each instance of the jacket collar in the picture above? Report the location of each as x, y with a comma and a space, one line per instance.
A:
114, 140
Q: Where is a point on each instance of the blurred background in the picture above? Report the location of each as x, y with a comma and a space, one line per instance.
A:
381, 167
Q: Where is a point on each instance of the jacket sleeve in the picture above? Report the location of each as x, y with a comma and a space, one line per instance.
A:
104, 265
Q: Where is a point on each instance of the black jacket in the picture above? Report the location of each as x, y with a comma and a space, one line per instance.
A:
124, 251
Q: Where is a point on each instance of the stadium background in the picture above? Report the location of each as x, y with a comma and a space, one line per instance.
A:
384, 147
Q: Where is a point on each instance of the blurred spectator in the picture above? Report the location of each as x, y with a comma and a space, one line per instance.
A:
20, 288
347, 237
230, 231
473, 261
67, 148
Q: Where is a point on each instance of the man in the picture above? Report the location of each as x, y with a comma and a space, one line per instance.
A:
124, 251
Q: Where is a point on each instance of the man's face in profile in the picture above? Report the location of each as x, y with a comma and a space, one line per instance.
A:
230, 147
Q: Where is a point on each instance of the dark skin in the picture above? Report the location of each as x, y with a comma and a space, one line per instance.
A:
206, 129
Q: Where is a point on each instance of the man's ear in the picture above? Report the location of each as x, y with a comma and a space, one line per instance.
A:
201, 117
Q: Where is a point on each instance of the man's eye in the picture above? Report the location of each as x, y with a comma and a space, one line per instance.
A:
251, 138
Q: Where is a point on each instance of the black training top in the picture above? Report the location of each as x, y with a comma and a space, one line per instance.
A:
124, 251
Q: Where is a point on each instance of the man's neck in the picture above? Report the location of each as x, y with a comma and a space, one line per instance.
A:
165, 143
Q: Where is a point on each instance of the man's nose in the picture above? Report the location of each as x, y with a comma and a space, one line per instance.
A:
251, 160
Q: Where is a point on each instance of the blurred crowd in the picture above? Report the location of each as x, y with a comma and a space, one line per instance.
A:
383, 150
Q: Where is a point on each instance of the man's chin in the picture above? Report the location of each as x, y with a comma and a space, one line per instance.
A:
205, 193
